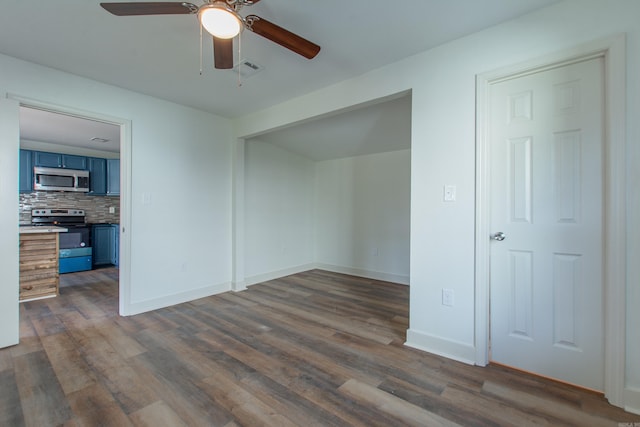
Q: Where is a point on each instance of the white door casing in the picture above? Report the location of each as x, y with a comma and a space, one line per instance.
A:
124, 268
546, 305
613, 52
9, 261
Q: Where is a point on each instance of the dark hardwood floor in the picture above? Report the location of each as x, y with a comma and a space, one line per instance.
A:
313, 349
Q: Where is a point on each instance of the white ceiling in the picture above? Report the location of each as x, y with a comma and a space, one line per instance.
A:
373, 129
71, 131
159, 55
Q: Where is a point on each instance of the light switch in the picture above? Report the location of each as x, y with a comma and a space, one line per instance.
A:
449, 193
447, 297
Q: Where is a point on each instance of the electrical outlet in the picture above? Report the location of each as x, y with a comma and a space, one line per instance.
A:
447, 297
112, 209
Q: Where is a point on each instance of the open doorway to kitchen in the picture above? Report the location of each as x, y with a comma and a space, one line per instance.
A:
56, 143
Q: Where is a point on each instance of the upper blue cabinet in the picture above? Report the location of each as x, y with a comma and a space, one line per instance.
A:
113, 177
104, 174
56, 160
25, 184
97, 176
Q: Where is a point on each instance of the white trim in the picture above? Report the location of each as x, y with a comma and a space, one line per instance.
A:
632, 400
126, 208
238, 215
613, 52
265, 277
369, 274
9, 262
376, 275
459, 351
125, 187
179, 298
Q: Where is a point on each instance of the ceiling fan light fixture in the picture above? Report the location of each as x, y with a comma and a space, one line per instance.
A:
220, 20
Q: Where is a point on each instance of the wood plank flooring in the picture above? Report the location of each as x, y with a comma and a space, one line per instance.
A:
313, 349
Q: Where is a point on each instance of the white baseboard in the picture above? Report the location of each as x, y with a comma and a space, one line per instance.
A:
179, 298
265, 277
461, 352
632, 400
376, 275
169, 300
239, 286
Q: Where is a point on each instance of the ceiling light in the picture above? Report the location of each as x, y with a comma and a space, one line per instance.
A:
98, 139
220, 20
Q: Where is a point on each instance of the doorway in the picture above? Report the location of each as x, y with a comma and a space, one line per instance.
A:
91, 131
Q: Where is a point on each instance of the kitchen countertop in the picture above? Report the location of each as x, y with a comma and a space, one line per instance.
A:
41, 229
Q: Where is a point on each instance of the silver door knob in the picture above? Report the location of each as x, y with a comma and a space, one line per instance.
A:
499, 236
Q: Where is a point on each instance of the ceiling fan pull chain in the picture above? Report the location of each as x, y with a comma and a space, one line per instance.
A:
200, 49
239, 58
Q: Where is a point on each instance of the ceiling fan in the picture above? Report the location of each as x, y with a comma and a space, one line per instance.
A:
221, 18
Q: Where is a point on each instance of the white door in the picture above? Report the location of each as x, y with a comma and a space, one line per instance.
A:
546, 159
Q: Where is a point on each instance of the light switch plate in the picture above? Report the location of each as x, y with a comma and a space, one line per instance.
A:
449, 193
447, 297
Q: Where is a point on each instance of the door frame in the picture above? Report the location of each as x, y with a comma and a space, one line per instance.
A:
124, 267
612, 50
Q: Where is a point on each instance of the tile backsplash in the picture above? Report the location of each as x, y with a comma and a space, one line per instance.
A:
96, 208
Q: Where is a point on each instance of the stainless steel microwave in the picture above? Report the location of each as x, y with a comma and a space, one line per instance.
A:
58, 179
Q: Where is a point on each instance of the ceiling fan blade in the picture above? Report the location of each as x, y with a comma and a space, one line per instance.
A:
223, 53
281, 36
150, 8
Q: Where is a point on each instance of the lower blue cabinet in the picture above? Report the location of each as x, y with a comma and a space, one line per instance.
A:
104, 240
77, 259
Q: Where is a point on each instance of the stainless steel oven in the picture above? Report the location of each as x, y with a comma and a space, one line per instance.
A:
77, 236
75, 245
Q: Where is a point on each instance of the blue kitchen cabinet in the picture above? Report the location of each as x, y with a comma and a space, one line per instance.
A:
74, 162
97, 176
104, 240
57, 160
48, 160
25, 184
73, 260
113, 177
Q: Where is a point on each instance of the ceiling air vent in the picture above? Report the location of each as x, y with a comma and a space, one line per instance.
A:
247, 68
98, 139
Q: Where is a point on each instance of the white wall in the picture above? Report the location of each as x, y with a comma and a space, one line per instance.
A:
442, 82
279, 213
348, 215
362, 215
180, 184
